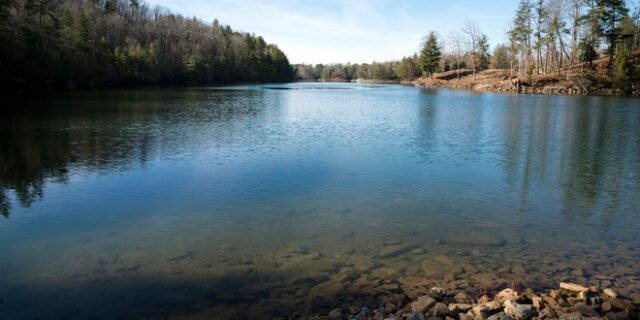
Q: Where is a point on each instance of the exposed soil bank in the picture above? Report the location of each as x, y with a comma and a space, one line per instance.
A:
572, 80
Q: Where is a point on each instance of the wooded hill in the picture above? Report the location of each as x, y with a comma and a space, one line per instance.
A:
86, 43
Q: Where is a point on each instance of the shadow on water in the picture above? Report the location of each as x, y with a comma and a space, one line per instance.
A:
43, 141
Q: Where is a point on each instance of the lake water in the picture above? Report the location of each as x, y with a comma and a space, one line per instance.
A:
261, 200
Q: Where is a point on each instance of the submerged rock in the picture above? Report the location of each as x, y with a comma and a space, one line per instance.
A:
335, 314
439, 310
391, 251
437, 293
423, 304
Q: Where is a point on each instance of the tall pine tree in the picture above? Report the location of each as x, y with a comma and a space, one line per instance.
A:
430, 55
613, 12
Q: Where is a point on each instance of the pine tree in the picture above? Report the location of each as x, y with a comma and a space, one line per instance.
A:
622, 69
484, 58
430, 55
522, 33
613, 12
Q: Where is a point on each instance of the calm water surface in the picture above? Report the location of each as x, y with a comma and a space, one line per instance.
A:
248, 200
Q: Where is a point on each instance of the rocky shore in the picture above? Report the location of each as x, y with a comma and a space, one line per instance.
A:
527, 89
460, 301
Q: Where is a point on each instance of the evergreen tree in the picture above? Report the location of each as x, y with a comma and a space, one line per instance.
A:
407, 69
522, 33
99, 42
623, 70
500, 57
430, 55
612, 14
484, 58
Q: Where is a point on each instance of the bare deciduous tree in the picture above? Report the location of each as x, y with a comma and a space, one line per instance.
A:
473, 33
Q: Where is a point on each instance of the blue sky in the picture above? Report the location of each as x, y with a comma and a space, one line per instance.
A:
329, 31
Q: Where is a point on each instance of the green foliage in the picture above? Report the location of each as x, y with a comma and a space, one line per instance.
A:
522, 22
612, 12
408, 69
623, 70
588, 51
500, 57
430, 55
484, 58
103, 42
348, 72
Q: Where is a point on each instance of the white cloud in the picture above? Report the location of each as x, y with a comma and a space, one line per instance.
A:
316, 31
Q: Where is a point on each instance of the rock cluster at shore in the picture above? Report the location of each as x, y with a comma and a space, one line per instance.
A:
458, 301
548, 89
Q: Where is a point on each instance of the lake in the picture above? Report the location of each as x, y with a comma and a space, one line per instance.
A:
256, 200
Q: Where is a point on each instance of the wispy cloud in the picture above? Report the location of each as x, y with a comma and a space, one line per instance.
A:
316, 31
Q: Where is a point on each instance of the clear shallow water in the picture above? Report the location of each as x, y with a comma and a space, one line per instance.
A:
255, 200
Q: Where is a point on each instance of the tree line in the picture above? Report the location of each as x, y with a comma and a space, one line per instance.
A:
70, 43
545, 36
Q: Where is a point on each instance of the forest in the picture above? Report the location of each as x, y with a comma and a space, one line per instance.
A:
544, 37
97, 43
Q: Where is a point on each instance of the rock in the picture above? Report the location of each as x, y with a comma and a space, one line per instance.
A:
605, 307
390, 307
547, 313
423, 304
517, 310
354, 310
497, 316
582, 296
465, 316
395, 250
506, 294
418, 251
538, 303
335, 314
459, 307
364, 312
585, 310
571, 316
595, 289
437, 293
444, 260
621, 304
573, 287
552, 303
484, 299
610, 293
463, 297
555, 294
439, 310
415, 316
623, 315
